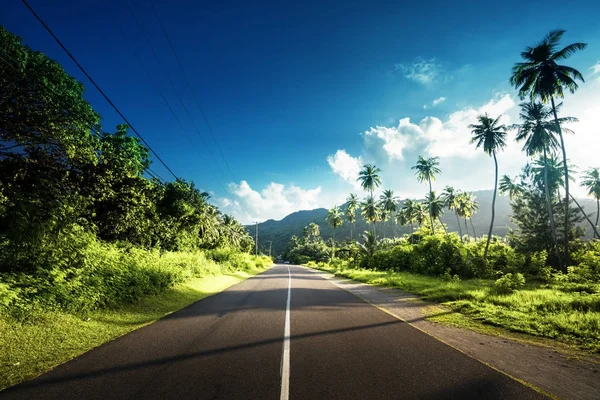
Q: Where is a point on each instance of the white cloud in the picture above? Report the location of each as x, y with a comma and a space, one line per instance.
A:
274, 202
435, 102
346, 166
595, 68
421, 71
392, 140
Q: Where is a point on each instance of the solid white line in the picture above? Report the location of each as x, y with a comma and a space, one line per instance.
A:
285, 357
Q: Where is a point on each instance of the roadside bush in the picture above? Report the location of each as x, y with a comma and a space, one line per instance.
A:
509, 283
435, 254
587, 262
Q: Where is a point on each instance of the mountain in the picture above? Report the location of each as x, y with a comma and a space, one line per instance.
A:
280, 232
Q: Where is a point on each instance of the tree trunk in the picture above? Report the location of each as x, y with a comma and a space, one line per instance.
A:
431, 216
597, 211
551, 214
489, 238
333, 245
586, 217
466, 227
473, 227
442, 224
459, 228
566, 170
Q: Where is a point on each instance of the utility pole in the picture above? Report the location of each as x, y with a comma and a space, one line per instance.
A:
270, 243
256, 239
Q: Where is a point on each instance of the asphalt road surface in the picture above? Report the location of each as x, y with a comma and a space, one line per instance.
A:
236, 345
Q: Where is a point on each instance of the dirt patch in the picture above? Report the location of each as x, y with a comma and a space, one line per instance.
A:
561, 374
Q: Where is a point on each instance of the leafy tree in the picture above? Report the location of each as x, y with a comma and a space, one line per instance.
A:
389, 204
490, 136
591, 181
450, 201
334, 218
427, 169
352, 204
538, 130
370, 211
540, 76
369, 178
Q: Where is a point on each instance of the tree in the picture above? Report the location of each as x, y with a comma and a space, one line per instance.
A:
591, 181
537, 130
427, 169
540, 75
311, 232
508, 186
389, 204
369, 178
490, 136
466, 207
436, 206
334, 218
450, 201
370, 211
352, 205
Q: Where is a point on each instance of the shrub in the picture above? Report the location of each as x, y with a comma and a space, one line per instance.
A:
509, 283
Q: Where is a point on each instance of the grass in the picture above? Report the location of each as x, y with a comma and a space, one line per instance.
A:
566, 312
30, 348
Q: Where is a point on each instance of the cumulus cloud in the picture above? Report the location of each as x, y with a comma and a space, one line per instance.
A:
421, 71
275, 201
435, 102
595, 68
393, 141
346, 166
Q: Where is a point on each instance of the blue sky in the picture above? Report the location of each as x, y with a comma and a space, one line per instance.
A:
300, 93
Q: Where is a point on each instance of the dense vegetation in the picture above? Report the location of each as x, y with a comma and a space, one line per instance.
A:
546, 245
81, 226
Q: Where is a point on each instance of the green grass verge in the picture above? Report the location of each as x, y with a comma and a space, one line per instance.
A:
569, 313
30, 348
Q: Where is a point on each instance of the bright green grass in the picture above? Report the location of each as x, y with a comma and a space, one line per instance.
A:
566, 312
49, 339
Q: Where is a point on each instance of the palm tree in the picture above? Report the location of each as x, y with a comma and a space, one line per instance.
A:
591, 181
420, 213
389, 204
449, 196
541, 76
334, 218
538, 130
436, 206
408, 209
427, 169
369, 245
351, 207
510, 187
489, 135
369, 178
370, 211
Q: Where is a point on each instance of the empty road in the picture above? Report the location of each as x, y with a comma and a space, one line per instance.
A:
286, 333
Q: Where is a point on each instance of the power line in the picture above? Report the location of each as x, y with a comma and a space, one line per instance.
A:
97, 87
162, 27
154, 53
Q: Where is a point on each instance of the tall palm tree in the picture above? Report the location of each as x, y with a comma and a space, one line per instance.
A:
370, 211
489, 135
591, 181
540, 75
369, 178
510, 187
436, 206
427, 169
389, 204
420, 212
537, 131
352, 205
449, 195
408, 209
334, 218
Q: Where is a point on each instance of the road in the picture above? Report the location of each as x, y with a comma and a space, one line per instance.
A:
233, 346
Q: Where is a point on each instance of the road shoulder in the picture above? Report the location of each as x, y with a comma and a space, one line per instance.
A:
549, 370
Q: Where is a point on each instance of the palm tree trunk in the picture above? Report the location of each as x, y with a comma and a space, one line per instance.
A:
459, 228
551, 214
351, 228
566, 170
586, 217
431, 216
442, 224
597, 210
466, 227
489, 238
333, 245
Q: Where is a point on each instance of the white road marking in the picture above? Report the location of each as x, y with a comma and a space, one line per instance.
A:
285, 357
